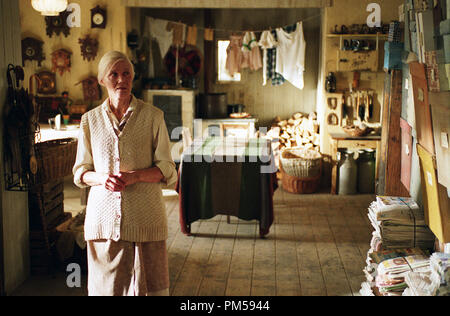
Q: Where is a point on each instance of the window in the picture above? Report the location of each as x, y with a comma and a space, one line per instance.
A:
223, 75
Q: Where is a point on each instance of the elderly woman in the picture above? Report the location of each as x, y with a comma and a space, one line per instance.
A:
123, 155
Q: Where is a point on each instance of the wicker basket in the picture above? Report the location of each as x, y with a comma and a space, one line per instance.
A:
299, 185
356, 131
301, 163
55, 159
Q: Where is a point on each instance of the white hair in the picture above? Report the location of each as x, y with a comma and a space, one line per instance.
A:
109, 60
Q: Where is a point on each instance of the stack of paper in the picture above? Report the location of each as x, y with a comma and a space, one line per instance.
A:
435, 282
374, 259
440, 269
398, 223
392, 272
420, 284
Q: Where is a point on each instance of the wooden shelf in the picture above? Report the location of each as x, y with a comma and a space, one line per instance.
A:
367, 36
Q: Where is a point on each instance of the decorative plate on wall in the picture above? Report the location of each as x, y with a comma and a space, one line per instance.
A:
98, 17
32, 50
89, 47
61, 61
46, 82
57, 24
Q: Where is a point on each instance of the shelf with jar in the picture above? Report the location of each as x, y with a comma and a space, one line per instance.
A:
357, 52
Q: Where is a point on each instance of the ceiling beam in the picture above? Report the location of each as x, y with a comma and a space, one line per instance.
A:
228, 4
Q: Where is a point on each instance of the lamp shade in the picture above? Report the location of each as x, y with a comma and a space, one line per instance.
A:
49, 7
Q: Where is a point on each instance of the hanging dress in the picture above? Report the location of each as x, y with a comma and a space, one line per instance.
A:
251, 52
234, 55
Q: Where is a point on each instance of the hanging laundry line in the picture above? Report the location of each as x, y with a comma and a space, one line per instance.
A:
239, 31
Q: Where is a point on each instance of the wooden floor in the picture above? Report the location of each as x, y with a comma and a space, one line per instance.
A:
316, 246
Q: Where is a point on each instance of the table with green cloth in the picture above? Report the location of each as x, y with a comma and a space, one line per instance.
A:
227, 176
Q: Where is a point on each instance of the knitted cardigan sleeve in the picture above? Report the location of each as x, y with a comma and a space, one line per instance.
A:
162, 157
84, 161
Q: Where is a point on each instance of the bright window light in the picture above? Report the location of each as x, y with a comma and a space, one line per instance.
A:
222, 60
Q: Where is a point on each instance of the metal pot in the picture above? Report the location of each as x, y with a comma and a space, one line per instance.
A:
236, 108
213, 105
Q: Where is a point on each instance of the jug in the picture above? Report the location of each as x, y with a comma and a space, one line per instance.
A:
347, 173
366, 171
55, 122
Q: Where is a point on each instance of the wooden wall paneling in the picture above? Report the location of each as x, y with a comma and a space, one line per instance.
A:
422, 109
15, 244
406, 155
2, 99
441, 130
384, 134
209, 56
392, 176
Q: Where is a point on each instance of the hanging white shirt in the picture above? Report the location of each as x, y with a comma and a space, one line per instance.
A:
158, 30
291, 50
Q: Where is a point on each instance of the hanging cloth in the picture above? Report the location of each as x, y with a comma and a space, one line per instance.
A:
268, 44
191, 38
250, 50
234, 55
158, 30
209, 34
291, 51
179, 33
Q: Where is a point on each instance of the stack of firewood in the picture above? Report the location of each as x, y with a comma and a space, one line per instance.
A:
298, 131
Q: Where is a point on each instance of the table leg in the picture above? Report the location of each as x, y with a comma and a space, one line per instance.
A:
228, 219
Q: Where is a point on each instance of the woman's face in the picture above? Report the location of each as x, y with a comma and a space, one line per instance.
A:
118, 81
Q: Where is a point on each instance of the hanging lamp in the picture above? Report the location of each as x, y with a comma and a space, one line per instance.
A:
49, 7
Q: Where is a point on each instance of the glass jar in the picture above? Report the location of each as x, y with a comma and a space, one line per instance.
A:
348, 173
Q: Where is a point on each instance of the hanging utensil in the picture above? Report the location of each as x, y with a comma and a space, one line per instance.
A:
362, 108
366, 107
371, 105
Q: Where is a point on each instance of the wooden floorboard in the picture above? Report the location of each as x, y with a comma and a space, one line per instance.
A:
317, 246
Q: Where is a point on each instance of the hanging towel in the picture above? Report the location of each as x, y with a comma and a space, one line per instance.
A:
251, 52
209, 34
158, 31
291, 51
191, 38
179, 33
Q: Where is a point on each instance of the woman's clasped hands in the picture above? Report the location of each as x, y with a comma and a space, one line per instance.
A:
118, 182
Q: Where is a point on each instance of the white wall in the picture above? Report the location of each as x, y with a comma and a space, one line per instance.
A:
14, 239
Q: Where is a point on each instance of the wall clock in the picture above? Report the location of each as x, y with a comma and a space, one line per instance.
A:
46, 82
32, 50
98, 17
57, 24
91, 89
61, 61
89, 47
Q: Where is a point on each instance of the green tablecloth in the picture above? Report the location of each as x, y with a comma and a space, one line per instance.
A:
227, 176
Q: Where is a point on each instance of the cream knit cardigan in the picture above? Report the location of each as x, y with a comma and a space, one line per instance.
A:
136, 214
